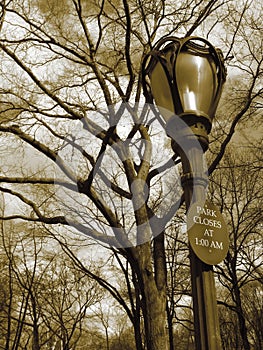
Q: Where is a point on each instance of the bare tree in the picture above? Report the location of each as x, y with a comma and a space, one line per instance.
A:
238, 190
71, 103
45, 299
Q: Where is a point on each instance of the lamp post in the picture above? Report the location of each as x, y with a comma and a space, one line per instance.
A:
185, 77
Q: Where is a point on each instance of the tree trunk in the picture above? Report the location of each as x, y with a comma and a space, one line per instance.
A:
241, 318
137, 317
153, 303
150, 265
154, 316
137, 334
170, 329
35, 345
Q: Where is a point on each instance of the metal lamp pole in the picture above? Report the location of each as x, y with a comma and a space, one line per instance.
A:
185, 78
206, 323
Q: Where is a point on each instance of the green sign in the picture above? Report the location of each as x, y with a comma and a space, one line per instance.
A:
207, 232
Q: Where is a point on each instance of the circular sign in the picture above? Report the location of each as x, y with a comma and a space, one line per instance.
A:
207, 232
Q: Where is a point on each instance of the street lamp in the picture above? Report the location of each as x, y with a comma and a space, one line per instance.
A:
184, 76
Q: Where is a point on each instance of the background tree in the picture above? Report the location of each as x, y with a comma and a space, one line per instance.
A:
238, 191
44, 299
72, 112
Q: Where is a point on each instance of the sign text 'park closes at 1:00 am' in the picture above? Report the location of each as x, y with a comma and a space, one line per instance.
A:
207, 232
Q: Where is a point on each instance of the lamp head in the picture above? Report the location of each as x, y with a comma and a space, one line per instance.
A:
185, 78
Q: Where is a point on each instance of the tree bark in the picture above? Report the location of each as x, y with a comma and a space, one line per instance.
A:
241, 318
153, 303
